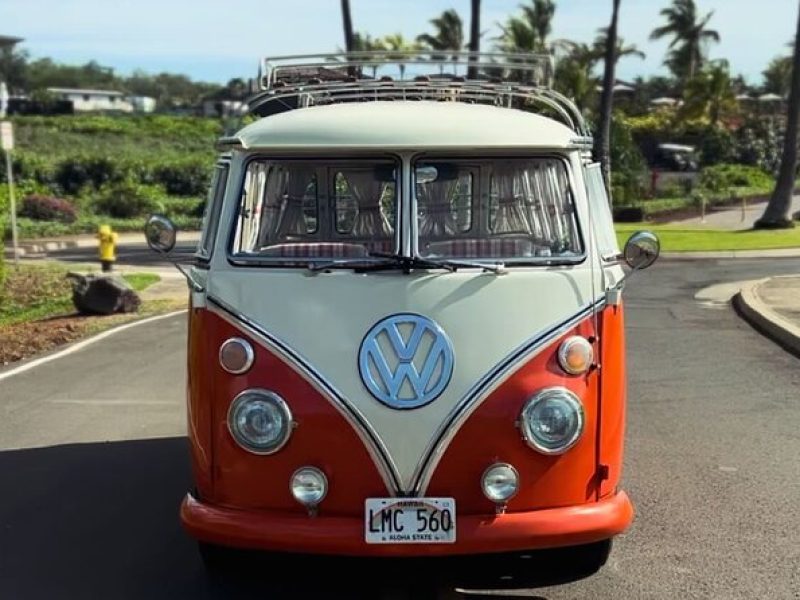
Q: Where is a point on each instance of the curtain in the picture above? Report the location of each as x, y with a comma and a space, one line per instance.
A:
370, 222
436, 208
292, 221
510, 216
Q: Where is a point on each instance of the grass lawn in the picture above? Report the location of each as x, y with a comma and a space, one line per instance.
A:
687, 239
37, 314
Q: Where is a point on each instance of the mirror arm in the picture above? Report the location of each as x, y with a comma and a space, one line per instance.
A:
185, 272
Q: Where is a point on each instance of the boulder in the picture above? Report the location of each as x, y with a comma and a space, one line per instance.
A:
102, 294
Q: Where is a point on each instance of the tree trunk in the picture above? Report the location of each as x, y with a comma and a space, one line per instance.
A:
602, 147
776, 215
474, 36
349, 39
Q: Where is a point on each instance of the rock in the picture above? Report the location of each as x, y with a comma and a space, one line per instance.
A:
102, 294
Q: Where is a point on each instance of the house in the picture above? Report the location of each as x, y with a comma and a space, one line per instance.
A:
93, 100
142, 104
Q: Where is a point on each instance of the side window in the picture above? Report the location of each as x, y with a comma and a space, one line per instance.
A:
212, 210
602, 219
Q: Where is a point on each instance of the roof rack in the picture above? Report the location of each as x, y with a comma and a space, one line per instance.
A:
511, 80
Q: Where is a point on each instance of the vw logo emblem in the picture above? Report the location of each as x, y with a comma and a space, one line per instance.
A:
406, 361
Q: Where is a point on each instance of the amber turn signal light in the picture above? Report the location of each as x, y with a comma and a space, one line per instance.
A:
576, 355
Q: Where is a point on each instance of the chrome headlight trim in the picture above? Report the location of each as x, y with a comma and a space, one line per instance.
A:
278, 402
249, 352
563, 352
516, 482
323, 479
546, 394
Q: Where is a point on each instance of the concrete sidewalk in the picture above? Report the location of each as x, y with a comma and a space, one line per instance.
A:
42, 246
733, 218
772, 306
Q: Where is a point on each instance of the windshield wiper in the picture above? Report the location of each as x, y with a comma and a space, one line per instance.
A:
406, 263
413, 262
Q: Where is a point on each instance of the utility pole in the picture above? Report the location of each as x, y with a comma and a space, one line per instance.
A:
7, 144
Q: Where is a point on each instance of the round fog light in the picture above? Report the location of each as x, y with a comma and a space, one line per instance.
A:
552, 421
309, 486
500, 482
260, 421
236, 355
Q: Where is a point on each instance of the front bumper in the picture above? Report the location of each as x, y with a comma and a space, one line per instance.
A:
476, 534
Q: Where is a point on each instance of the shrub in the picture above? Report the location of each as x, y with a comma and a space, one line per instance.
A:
720, 178
184, 177
127, 199
190, 207
72, 174
48, 208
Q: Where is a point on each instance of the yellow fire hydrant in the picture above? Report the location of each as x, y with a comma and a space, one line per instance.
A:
108, 242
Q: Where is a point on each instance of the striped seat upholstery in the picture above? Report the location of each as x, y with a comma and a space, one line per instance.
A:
326, 249
315, 250
482, 248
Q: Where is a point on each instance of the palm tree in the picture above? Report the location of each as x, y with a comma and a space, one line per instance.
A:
776, 215
573, 74
528, 32
778, 76
602, 146
474, 36
710, 93
622, 50
690, 37
449, 34
397, 43
347, 22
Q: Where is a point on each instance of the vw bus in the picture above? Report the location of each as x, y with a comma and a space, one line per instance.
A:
406, 329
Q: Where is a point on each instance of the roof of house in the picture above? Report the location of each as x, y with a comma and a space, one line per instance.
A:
405, 125
9, 40
60, 90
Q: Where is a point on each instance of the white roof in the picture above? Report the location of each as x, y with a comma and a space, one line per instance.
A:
412, 125
60, 90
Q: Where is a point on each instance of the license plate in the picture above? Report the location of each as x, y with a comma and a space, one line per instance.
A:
410, 520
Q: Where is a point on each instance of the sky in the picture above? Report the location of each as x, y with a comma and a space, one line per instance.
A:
216, 41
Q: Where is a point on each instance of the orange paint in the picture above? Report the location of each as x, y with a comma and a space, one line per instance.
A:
244, 499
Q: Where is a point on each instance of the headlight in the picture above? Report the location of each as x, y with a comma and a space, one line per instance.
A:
236, 355
575, 355
260, 421
309, 486
552, 421
500, 482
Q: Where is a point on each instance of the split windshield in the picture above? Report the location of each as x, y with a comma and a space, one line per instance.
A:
487, 210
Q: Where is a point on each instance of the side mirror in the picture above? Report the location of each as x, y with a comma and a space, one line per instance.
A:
641, 250
160, 233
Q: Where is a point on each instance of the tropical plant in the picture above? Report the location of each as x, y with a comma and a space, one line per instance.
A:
398, 48
778, 76
449, 35
777, 213
573, 75
528, 32
602, 146
710, 94
622, 51
690, 37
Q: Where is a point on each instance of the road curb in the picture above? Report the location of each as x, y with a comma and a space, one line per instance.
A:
754, 310
728, 254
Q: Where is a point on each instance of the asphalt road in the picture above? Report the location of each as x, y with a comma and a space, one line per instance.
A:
94, 465
127, 254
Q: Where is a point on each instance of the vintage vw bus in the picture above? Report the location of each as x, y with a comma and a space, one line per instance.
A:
406, 328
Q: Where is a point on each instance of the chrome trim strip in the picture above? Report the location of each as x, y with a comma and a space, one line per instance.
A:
372, 441
483, 388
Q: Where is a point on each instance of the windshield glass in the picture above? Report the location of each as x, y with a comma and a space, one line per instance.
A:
505, 209
311, 209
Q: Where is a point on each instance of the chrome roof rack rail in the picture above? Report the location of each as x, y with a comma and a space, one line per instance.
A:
511, 80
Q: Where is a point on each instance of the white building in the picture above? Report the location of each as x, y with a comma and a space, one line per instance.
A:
93, 100
142, 104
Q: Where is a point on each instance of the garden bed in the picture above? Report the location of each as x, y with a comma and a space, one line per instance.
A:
37, 314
